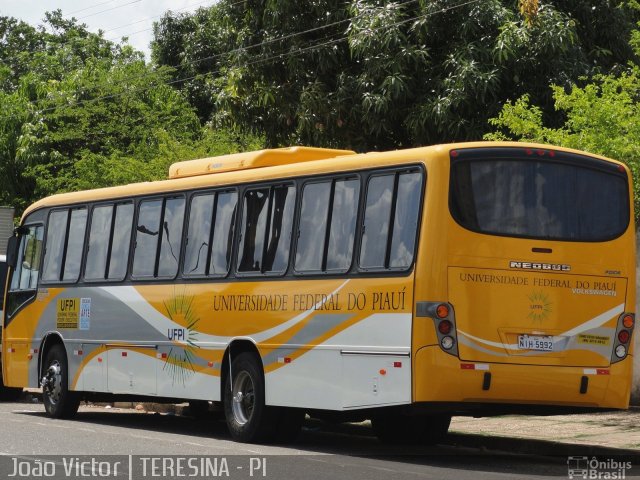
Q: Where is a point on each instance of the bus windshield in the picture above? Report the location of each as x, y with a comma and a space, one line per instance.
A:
507, 193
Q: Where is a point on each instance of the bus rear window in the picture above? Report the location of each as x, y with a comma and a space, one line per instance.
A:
564, 197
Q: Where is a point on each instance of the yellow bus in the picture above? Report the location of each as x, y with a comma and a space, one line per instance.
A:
402, 287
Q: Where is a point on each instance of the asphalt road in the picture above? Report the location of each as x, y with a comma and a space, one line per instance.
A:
322, 451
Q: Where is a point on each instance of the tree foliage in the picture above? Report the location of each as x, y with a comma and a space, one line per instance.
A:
602, 117
370, 74
82, 112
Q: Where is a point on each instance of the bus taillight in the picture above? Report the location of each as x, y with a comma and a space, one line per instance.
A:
444, 320
444, 327
623, 336
442, 310
624, 330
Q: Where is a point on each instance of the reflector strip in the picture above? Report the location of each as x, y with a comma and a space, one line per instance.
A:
474, 366
596, 371
284, 360
77, 352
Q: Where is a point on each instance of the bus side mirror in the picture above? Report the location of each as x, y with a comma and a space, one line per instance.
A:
12, 251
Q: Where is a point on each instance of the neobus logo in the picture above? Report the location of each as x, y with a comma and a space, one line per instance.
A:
551, 267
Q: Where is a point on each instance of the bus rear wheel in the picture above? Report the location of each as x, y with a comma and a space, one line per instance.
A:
59, 401
411, 430
249, 419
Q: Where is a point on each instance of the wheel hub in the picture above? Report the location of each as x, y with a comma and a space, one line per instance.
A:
52, 382
243, 398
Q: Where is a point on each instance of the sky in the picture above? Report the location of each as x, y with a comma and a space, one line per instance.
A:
117, 18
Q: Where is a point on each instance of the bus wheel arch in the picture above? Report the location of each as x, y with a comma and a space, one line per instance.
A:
48, 341
249, 418
243, 394
59, 401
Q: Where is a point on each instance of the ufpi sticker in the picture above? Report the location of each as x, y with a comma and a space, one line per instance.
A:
85, 313
68, 312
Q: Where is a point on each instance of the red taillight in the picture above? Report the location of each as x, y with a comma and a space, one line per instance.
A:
454, 153
444, 327
623, 336
628, 321
442, 311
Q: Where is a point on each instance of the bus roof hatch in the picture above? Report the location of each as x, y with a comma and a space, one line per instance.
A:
247, 160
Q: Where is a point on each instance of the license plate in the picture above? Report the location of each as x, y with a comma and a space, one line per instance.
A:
535, 342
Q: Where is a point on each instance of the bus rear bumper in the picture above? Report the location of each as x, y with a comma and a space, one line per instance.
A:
440, 377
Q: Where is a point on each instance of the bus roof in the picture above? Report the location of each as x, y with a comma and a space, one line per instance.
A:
269, 164
248, 160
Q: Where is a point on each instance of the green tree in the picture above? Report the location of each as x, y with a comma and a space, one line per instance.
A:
81, 112
370, 74
601, 117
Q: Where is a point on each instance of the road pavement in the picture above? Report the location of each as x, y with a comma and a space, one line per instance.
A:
322, 451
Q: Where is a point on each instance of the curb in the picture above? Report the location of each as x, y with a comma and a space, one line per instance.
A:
534, 446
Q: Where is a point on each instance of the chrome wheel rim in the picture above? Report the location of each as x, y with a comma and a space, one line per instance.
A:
244, 398
54, 382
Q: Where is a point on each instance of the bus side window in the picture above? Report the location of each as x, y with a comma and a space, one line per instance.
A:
109, 240
56, 232
74, 244
223, 228
64, 244
343, 225
266, 233
313, 226
24, 279
99, 233
25, 276
376, 221
391, 221
158, 238
333, 205
406, 220
147, 231
208, 249
121, 242
198, 233
171, 238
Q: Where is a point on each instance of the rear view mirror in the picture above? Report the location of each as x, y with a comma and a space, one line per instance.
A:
12, 251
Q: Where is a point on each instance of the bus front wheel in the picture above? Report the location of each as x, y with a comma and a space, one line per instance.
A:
249, 419
59, 401
407, 429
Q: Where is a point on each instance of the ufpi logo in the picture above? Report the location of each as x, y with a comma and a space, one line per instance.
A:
609, 469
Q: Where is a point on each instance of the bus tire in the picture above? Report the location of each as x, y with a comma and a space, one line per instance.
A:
411, 430
249, 419
59, 401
